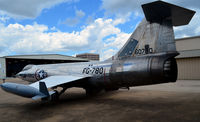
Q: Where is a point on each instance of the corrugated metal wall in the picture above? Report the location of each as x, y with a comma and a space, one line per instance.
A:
189, 68
2, 68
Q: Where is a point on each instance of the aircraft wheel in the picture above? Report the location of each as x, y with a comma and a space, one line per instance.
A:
92, 92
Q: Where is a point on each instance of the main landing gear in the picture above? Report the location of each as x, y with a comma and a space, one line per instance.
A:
93, 91
56, 94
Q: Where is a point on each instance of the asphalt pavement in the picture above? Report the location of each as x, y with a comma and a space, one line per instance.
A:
170, 102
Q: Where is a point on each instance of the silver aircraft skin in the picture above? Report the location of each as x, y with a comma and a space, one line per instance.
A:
148, 57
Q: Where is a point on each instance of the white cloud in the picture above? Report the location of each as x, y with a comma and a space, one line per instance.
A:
197, 31
4, 18
108, 53
193, 29
122, 7
113, 44
98, 37
36, 38
80, 14
100, 32
125, 6
122, 19
75, 20
118, 41
28, 8
90, 19
71, 22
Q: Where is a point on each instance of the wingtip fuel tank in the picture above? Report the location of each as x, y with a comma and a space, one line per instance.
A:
27, 91
20, 89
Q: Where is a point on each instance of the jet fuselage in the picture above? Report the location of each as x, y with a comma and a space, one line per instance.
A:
113, 74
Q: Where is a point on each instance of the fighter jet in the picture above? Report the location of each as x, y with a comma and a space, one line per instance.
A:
148, 57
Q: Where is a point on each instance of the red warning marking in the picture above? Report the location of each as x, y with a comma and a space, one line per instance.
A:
36, 77
104, 74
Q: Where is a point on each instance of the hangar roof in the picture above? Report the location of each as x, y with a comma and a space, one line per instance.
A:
193, 37
189, 43
46, 57
189, 54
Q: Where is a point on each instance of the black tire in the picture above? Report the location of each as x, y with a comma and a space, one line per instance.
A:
92, 91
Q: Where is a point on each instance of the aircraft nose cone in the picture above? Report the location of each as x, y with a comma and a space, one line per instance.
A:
20, 75
17, 75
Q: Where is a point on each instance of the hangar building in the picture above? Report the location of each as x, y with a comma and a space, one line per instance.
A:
90, 56
189, 59
10, 65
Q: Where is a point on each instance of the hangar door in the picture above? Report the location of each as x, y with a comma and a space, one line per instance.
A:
188, 68
13, 65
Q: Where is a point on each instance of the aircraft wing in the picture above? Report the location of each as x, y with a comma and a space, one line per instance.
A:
53, 81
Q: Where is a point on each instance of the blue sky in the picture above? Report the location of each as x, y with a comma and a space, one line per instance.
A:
71, 27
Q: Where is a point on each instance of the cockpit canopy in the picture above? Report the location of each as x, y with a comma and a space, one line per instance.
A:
27, 67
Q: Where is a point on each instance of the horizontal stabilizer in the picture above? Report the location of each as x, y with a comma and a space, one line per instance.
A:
159, 10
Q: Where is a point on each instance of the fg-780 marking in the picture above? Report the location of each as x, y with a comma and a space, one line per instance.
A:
93, 70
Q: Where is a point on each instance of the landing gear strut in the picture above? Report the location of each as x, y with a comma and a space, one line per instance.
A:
62, 91
55, 96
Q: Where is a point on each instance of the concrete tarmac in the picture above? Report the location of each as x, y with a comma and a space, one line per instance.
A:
170, 102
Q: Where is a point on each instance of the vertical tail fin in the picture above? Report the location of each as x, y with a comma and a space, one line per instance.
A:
43, 88
155, 33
